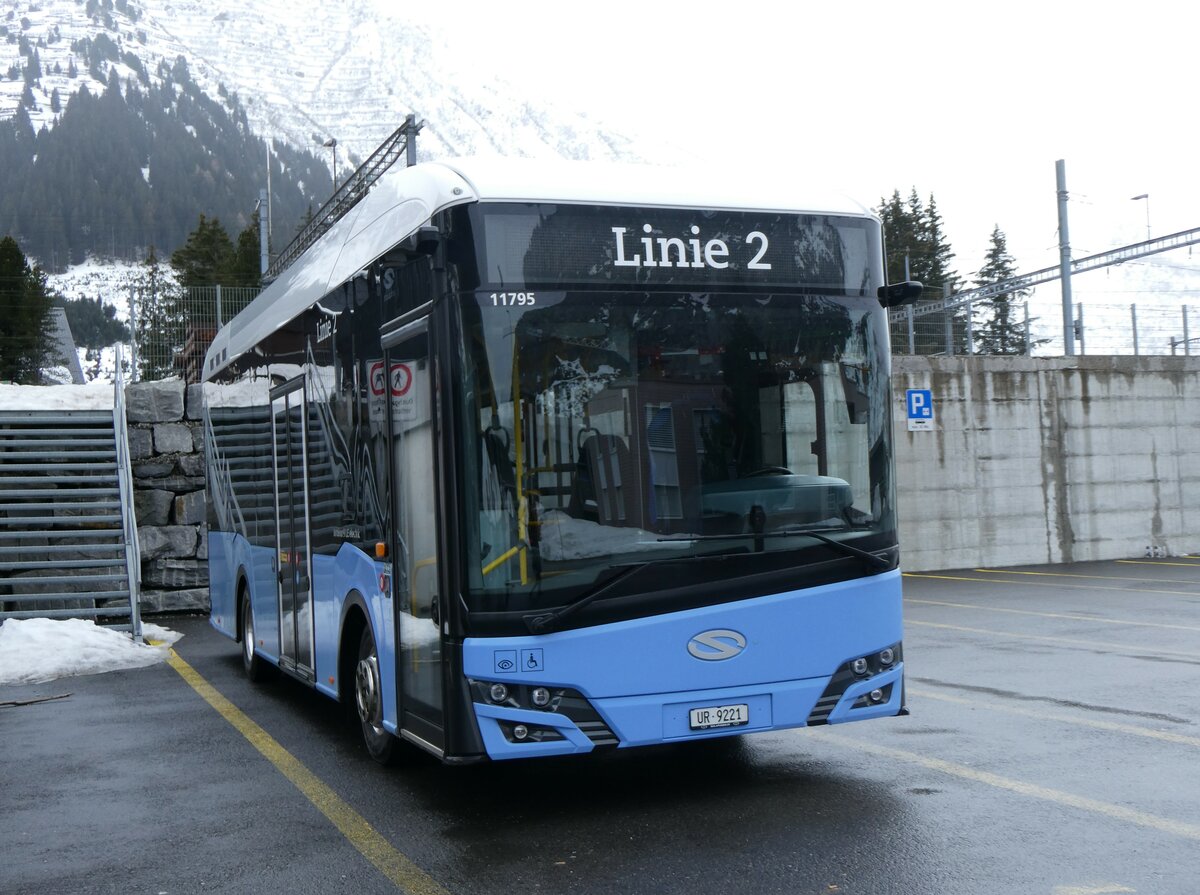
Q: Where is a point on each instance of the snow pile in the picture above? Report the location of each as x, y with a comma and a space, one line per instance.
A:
42, 649
96, 395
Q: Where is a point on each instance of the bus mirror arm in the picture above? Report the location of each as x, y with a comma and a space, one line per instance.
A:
423, 242
897, 294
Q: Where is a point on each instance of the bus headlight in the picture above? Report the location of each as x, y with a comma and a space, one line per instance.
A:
498, 693
859, 666
887, 656
541, 697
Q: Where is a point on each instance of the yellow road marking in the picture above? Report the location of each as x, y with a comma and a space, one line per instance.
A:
1089, 577
370, 843
1091, 644
1159, 562
1105, 889
1031, 790
1063, 615
1057, 586
1110, 726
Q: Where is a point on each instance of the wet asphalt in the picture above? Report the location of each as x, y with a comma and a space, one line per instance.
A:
1053, 747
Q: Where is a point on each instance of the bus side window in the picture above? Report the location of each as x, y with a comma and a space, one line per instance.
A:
406, 285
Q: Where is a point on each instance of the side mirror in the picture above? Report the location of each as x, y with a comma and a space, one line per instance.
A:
897, 294
423, 242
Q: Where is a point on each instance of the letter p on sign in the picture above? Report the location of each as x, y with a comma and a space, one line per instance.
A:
920, 409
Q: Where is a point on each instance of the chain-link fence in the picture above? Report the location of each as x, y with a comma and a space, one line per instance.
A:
173, 327
1098, 328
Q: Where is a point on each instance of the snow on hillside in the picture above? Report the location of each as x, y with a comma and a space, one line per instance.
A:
110, 281
306, 71
113, 282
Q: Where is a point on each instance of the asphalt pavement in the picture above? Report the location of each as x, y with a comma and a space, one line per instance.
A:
1052, 748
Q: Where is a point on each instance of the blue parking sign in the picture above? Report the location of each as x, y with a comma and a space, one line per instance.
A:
920, 408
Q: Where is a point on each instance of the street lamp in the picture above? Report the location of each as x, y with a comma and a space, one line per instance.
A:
331, 143
1145, 196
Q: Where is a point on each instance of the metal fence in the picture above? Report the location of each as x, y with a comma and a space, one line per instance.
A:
173, 327
1098, 328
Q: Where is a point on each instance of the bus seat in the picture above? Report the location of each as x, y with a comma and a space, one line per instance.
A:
603, 488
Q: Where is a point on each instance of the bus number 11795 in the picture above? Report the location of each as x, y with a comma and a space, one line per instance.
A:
511, 299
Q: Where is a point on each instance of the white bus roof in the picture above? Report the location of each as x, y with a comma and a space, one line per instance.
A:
404, 199
609, 183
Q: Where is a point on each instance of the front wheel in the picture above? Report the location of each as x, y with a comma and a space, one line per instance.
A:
368, 700
252, 663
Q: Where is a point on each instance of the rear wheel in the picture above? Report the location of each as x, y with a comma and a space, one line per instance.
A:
254, 666
368, 700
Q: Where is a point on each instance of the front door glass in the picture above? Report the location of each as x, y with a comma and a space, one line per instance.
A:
415, 552
288, 412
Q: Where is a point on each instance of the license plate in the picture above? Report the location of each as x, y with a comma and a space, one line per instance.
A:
719, 716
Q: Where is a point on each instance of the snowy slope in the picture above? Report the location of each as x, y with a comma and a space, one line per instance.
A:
308, 70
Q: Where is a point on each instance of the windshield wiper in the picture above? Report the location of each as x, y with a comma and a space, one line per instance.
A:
544, 622
876, 562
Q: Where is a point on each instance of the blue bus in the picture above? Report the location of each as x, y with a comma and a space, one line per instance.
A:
527, 459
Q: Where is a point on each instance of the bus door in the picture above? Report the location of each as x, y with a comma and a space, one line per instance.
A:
289, 412
414, 545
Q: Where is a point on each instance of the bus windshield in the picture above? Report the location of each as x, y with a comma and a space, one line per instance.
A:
618, 427
610, 428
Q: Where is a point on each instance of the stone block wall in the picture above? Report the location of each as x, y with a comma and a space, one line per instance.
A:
166, 444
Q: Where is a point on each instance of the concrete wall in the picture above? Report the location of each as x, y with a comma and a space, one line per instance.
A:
1039, 460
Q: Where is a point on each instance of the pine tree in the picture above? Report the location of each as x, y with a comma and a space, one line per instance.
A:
917, 249
205, 257
93, 323
25, 321
999, 328
160, 322
900, 234
245, 266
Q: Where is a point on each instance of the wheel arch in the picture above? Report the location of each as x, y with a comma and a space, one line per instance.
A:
355, 617
242, 590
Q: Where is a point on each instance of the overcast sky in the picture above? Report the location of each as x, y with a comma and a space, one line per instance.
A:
971, 102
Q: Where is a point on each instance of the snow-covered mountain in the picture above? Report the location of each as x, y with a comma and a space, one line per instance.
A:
305, 71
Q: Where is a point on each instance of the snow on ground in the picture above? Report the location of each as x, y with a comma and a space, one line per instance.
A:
41, 649
96, 395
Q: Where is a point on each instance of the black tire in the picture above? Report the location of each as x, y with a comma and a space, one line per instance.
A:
253, 664
368, 702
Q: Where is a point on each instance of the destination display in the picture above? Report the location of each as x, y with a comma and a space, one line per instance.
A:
554, 245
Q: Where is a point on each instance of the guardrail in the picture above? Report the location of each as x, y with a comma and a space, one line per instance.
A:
133, 550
